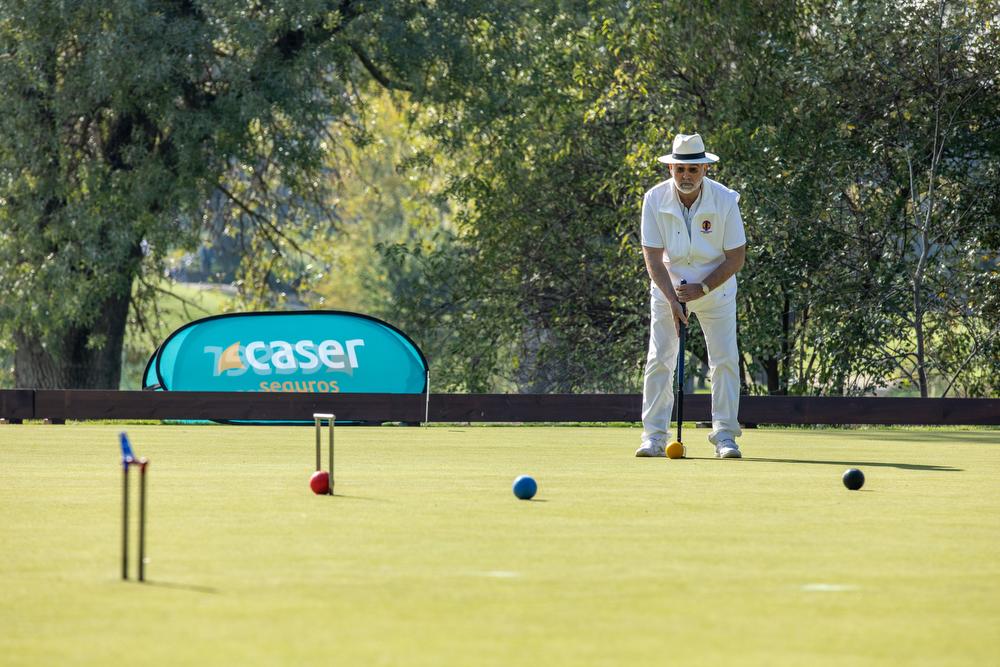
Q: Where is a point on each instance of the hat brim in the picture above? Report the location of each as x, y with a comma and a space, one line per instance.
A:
670, 159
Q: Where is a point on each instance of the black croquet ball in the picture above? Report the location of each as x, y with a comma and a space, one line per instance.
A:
854, 479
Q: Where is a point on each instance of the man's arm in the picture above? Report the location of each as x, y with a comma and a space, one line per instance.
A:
658, 273
735, 259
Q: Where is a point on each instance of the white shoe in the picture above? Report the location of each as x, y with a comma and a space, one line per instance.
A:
727, 449
651, 449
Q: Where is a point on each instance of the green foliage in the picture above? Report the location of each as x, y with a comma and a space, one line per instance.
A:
122, 119
385, 184
490, 207
862, 136
915, 96
530, 295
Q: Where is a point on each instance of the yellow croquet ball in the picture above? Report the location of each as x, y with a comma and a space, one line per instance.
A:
675, 450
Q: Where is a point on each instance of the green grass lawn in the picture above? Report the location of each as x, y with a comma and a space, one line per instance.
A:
426, 558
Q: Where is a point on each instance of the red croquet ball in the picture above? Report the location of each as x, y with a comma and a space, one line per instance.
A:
320, 482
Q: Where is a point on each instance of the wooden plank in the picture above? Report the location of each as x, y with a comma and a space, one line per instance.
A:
869, 410
17, 404
697, 407
534, 407
89, 404
98, 404
551, 407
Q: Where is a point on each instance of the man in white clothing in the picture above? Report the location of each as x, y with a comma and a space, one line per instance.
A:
691, 231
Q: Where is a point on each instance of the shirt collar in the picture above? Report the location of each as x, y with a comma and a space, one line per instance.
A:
671, 203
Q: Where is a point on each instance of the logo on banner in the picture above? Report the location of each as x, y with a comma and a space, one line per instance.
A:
229, 359
284, 357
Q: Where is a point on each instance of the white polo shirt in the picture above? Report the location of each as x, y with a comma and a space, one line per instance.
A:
716, 226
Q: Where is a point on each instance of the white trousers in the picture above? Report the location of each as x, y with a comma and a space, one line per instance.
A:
718, 322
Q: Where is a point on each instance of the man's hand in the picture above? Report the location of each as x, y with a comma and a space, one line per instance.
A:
689, 292
679, 315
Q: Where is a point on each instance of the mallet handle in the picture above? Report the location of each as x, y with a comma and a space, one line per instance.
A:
680, 373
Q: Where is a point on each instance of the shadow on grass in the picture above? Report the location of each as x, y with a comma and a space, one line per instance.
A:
180, 587
345, 496
986, 437
861, 464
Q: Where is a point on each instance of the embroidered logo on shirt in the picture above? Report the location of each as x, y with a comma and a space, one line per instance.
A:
706, 227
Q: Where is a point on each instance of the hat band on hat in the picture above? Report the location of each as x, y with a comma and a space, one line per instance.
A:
688, 156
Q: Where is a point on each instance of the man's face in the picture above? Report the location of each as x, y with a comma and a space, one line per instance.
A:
688, 177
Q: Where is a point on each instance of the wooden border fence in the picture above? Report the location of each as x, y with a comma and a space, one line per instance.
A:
59, 405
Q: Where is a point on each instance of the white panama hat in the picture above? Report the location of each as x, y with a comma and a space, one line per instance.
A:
688, 149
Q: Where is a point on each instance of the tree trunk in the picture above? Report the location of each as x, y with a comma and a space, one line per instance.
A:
786, 355
744, 375
918, 330
773, 376
70, 360
918, 293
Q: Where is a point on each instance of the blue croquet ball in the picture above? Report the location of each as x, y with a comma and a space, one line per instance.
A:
525, 487
854, 479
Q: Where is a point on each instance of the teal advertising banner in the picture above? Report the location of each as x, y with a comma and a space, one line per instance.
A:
300, 351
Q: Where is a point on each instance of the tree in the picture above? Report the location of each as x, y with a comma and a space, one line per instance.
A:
821, 111
386, 185
123, 118
551, 247
916, 86
530, 294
